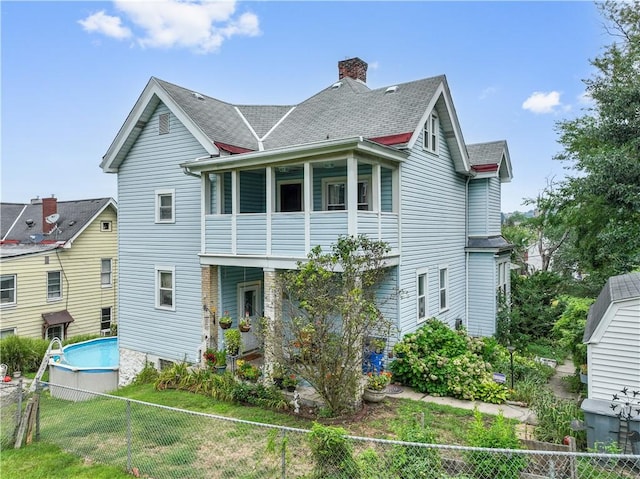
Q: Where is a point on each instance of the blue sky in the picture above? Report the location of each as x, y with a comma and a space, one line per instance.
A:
72, 71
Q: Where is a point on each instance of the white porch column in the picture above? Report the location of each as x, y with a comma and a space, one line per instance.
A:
270, 203
235, 209
307, 190
352, 195
376, 201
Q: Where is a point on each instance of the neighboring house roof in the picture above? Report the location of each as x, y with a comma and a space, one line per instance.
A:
26, 234
491, 158
392, 116
497, 243
617, 288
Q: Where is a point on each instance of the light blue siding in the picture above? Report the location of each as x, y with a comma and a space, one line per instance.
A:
482, 294
326, 227
252, 234
230, 278
287, 235
386, 187
433, 232
484, 207
218, 233
153, 163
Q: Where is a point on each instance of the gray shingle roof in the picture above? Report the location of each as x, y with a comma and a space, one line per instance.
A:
74, 215
347, 111
490, 242
617, 288
9, 213
486, 153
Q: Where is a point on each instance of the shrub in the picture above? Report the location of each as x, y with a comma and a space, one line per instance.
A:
440, 361
332, 453
416, 461
80, 338
148, 374
569, 329
22, 354
554, 416
500, 435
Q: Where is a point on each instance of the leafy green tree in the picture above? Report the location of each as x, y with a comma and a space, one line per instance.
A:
601, 200
334, 308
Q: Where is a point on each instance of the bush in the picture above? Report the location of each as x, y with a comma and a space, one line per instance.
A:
79, 338
440, 361
554, 416
569, 329
22, 354
148, 375
332, 453
500, 435
416, 461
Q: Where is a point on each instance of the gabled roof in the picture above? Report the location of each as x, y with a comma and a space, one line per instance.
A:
617, 288
345, 109
491, 159
74, 217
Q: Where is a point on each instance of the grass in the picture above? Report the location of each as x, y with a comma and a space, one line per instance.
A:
47, 461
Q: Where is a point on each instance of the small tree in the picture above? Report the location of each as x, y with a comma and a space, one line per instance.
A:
333, 307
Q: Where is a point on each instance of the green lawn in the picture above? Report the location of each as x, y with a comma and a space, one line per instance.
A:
166, 443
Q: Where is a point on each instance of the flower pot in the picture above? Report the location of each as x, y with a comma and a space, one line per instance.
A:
277, 382
291, 388
370, 395
244, 329
221, 369
225, 325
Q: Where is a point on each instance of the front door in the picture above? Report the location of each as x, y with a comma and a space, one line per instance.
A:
250, 304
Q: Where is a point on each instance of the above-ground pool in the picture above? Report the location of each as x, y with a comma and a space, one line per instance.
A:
90, 365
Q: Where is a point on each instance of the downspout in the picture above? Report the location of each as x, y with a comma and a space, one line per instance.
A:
466, 253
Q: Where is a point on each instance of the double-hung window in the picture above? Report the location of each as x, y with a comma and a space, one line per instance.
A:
335, 192
165, 206
7, 289
430, 133
421, 295
503, 272
165, 287
54, 285
105, 319
443, 285
105, 272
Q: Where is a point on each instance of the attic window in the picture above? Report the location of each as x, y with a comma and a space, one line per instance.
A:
336, 85
392, 89
163, 124
105, 226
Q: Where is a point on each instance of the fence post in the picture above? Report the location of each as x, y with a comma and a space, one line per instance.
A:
38, 393
284, 454
128, 435
19, 410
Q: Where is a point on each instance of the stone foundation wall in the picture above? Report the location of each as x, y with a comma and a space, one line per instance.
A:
131, 363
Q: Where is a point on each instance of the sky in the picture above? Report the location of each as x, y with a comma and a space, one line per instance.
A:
72, 71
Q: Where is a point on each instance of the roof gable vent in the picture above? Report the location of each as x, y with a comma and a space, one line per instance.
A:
163, 124
392, 89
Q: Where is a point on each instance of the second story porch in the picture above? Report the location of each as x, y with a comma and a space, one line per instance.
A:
277, 207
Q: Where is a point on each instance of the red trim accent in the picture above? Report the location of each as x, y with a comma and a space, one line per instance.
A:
392, 139
231, 148
483, 168
9, 242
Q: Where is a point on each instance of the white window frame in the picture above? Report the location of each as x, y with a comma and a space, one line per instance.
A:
160, 194
102, 320
55, 327
5, 277
502, 277
279, 183
159, 270
366, 180
54, 298
422, 274
109, 283
443, 288
430, 133
6, 332
105, 226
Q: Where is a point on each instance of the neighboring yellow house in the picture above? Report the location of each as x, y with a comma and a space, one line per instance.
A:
58, 267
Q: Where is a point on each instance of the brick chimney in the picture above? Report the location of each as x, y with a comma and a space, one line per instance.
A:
353, 68
49, 207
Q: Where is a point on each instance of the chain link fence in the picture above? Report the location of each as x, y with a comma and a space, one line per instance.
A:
12, 406
154, 441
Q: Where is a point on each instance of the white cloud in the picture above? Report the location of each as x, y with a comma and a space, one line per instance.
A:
541, 102
199, 25
110, 26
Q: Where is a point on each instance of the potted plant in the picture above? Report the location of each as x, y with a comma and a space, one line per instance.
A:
277, 374
245, 324
584, 373
247, 371
221, 361
225, 320
210, 358
374, 390
289, 382
232, 340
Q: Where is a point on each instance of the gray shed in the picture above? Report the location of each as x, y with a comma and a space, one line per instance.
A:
612, 335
